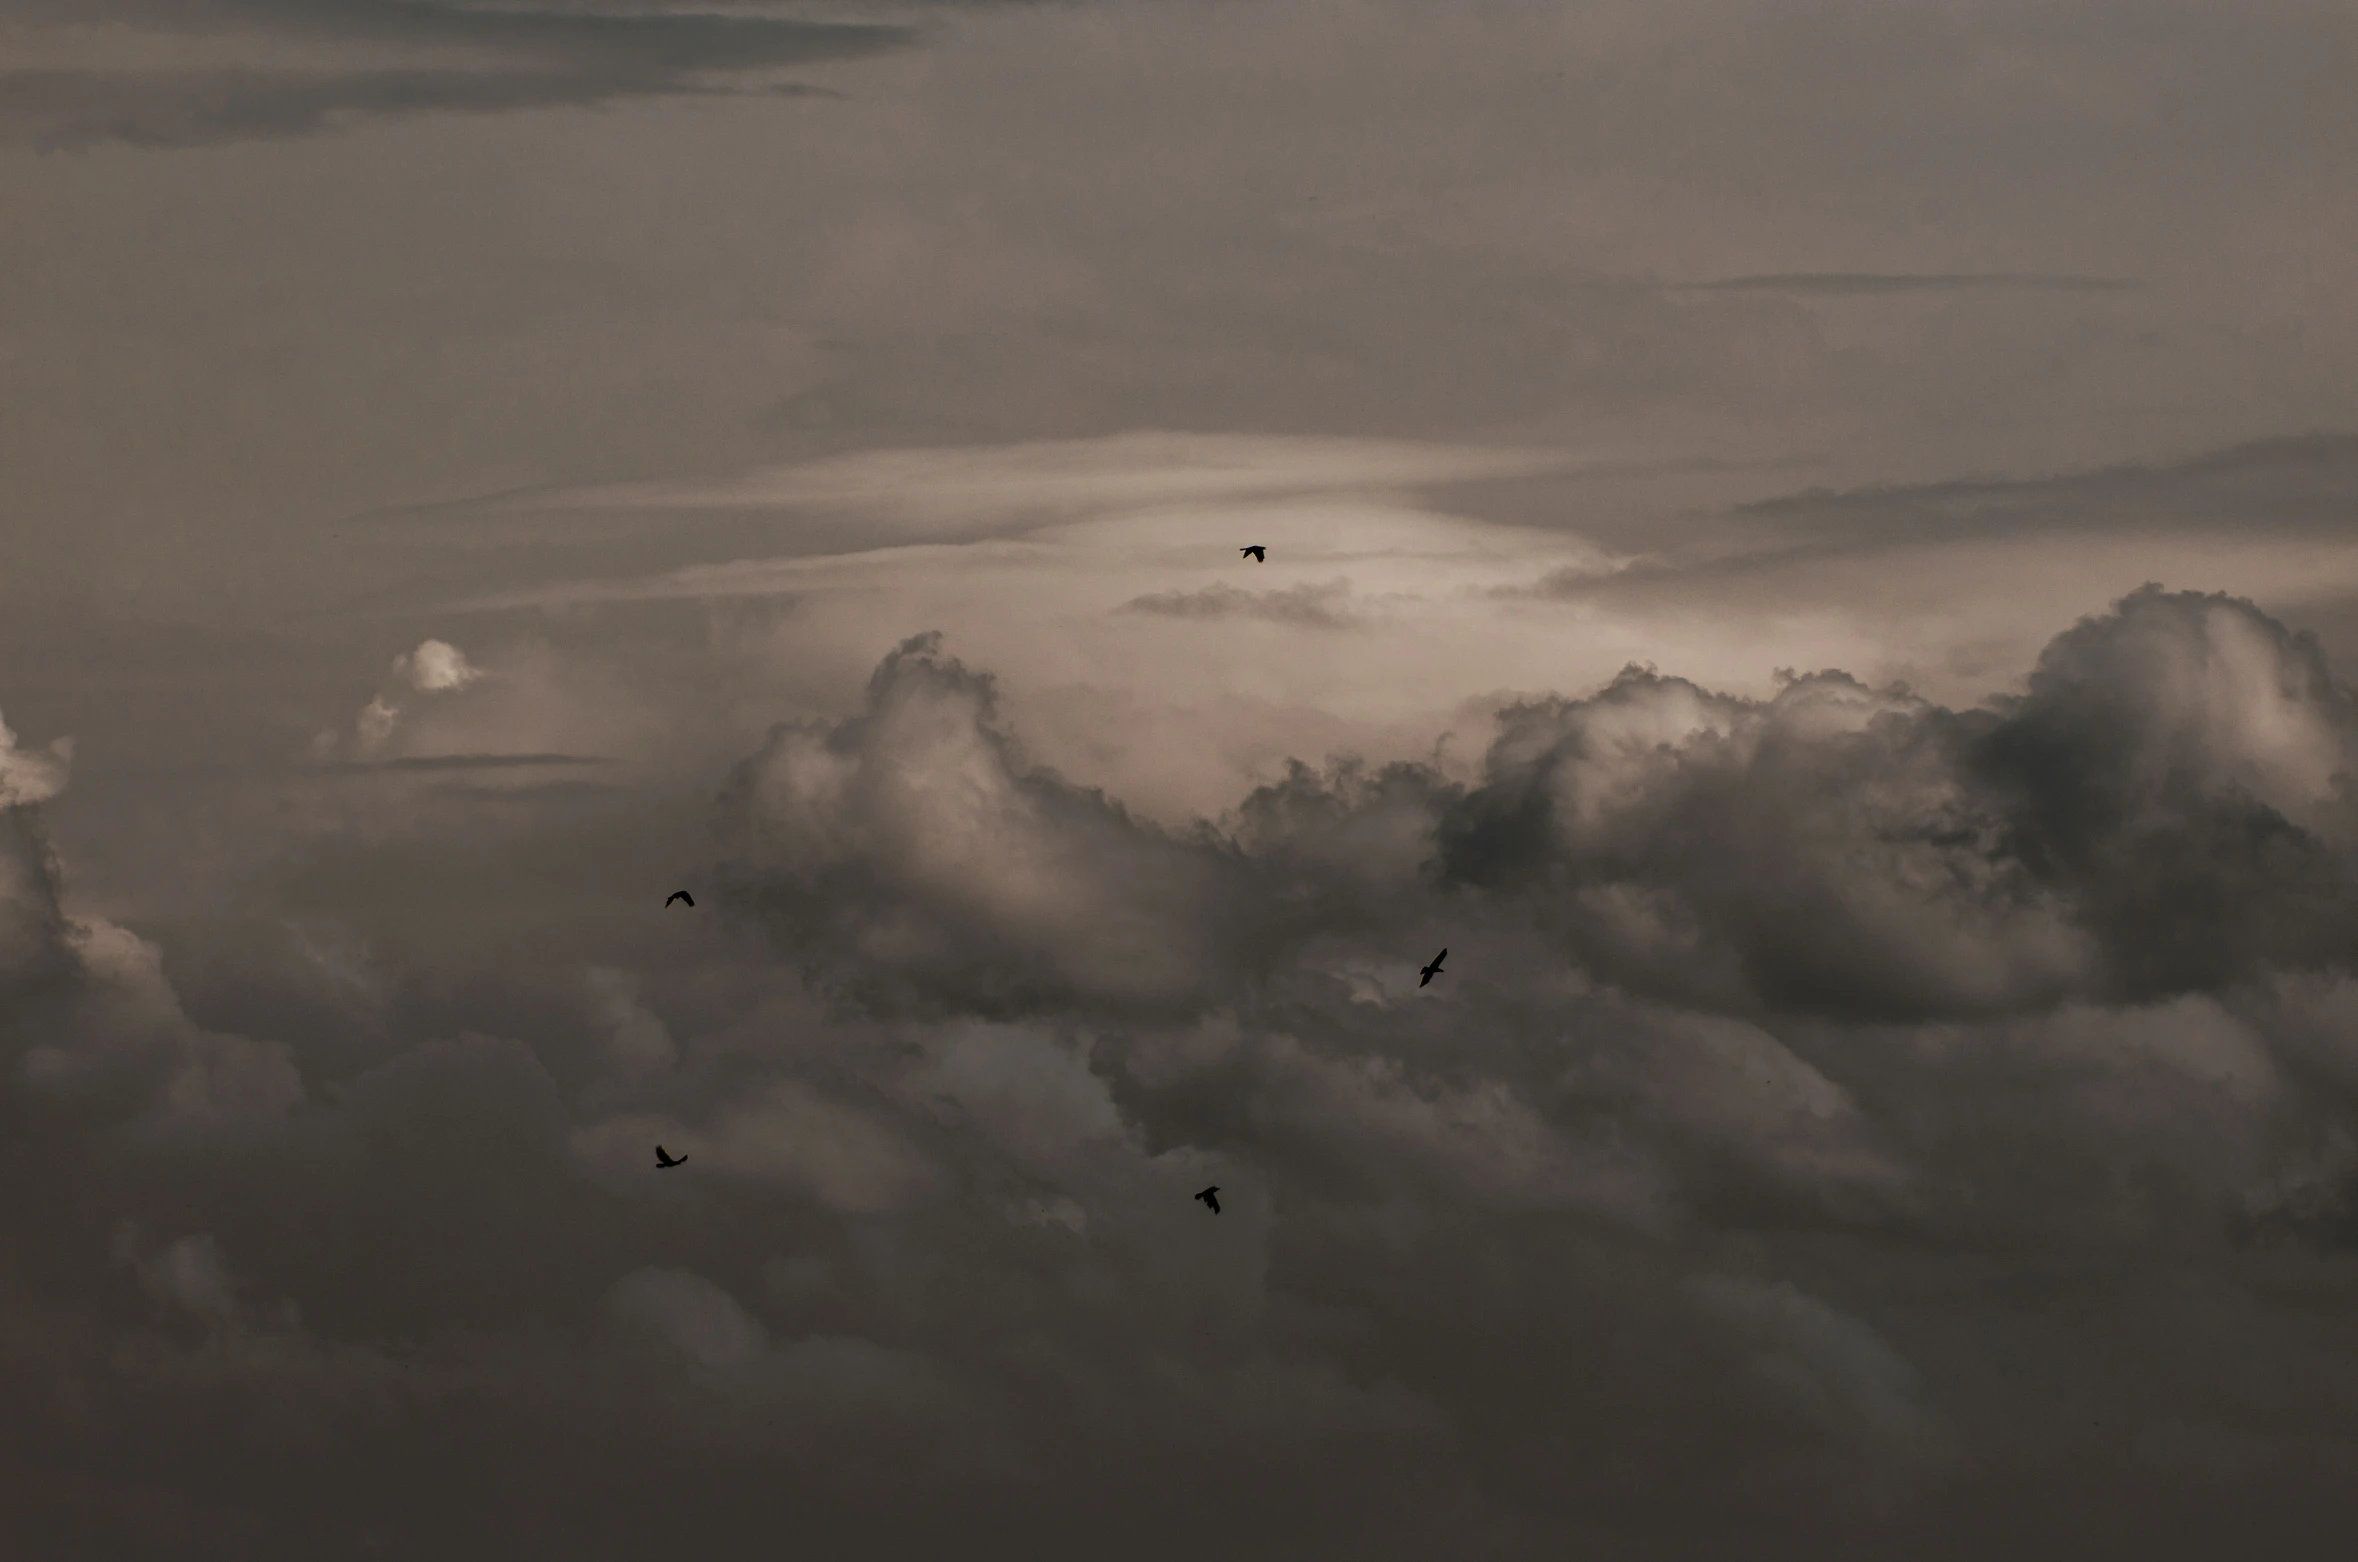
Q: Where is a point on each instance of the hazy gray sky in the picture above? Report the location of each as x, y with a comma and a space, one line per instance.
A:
1815, 548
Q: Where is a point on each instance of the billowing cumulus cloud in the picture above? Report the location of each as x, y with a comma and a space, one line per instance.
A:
2166, 810
1891, 1091
91, 1018
1672, 866
1778, 1034
916, 847
437, 665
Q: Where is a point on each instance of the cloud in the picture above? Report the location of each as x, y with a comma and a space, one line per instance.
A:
1834, 1369
2280, 487
1062, 1212
1955, 587
120, 1039
464, 762
1781, 1038
190, 1273
913, 848
530, 707
375, 723
27, 776
92, 1018
436, 665
1840, 284
32, 917
2164, 815
276, 69
2164, 811
1075, 530
840, 1154
640, 1044
1968, 1157
691, 1314
1319, 606
1062, 478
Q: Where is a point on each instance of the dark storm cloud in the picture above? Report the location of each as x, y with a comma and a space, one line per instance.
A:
399, 57
2166, 811
1851, 1124
1817, 1083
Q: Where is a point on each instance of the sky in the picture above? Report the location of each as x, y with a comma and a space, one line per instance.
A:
1814, 549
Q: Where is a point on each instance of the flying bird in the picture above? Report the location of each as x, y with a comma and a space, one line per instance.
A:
1211, 1196
680, 894
1434, 969
1257, 553
665, 1161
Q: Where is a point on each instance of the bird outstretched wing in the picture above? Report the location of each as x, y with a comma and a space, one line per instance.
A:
681, 894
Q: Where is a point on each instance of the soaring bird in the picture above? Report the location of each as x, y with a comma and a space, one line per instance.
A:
1434, 969
665, 1161
680, 894
1257, 553
1211, 1196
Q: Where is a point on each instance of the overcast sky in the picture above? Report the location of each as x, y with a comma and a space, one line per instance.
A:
1814, 548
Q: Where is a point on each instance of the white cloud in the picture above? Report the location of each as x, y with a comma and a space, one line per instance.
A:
31, 775
1026, 556
374, 725
437, 665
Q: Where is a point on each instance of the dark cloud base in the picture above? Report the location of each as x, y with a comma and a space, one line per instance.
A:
1308, 606
522, 58
1848, 1126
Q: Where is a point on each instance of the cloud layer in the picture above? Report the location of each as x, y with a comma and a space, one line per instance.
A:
162, 75
1891, 1091
1782, 1039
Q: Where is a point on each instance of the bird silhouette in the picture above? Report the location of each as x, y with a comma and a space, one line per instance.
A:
665, 1160
1434, 969
680, 894
1257, 553
1211, 1196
